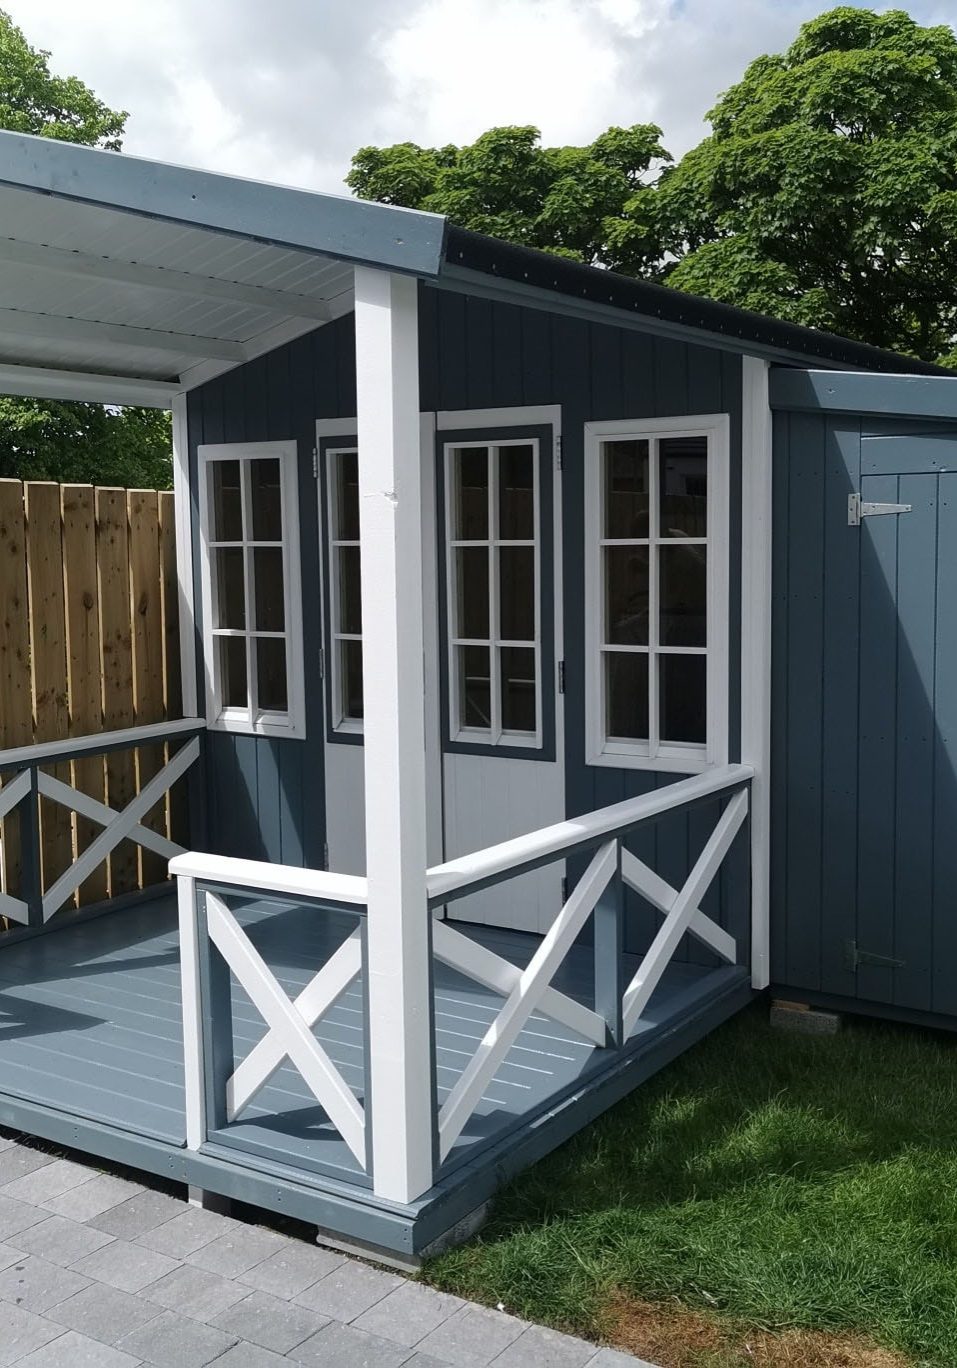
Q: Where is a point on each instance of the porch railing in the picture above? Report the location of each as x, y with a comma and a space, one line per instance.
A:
22, 771
218, 1087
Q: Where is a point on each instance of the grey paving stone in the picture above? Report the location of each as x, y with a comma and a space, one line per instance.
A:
473, 1337
173, 1341
73, 1350
9, 1256
49, 1181
137, 1215
7, 1141
126, 1266
342, 1346
292, 1269
408, 1314
187, 1232
237, 1251
15, 1162
37, 1284
615, 1358
94, 1197
61, 1240
425, 1361
348, 1291
103, 1313
270, 1322
16, 1216
537, 1347
194, 1292
22, 1331
243, 1355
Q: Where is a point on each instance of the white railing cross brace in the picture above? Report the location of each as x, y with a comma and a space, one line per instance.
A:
656, 890
103, 814
321, 1076
12, 793
683, 908
525, 996
123, 825
492, 971
315, 999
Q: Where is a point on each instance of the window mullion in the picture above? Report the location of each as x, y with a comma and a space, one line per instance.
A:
249, 586
654, 678
494, 616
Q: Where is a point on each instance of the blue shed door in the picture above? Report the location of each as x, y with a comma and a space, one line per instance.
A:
905, 953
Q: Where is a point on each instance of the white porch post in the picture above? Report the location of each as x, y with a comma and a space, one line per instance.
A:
390, 531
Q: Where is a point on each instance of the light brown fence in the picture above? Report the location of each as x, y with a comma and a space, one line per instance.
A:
89, 642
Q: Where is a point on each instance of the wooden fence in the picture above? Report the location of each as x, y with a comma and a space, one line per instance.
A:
89, 642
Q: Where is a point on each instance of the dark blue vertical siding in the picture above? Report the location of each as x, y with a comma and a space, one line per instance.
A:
266, 795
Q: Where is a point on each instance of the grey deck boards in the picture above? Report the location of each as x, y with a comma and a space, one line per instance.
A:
90, 1024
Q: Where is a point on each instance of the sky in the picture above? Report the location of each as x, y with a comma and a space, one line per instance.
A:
287, 90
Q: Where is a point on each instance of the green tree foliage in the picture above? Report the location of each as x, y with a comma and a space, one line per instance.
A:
40, 439
826, 192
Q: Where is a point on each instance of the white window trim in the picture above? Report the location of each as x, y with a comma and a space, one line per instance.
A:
686, 759
495, 735
350, 726
291, 723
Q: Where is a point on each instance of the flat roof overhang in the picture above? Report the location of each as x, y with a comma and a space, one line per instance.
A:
129, 281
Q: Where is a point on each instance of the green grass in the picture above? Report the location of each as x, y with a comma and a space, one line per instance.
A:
776, 1179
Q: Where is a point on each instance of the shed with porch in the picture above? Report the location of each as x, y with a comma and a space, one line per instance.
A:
474, 561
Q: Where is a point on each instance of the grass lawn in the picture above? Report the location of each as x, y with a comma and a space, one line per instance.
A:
768, 1199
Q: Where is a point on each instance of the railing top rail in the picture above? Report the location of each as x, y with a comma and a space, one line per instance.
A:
466, 873
99, 743
262, 877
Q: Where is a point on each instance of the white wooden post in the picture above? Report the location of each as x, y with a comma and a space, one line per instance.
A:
390, 533
194, 1055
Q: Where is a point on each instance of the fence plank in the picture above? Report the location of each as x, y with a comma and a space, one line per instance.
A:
178, 798
113, 580
16, 710
84, 667
51, 719
147, 613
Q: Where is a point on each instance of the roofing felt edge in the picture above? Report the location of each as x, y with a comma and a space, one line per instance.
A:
528, 267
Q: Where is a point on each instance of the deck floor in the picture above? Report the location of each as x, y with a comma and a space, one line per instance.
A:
90, 1025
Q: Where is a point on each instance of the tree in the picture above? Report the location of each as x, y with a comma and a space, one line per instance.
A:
826, 192
71, 441
508, 185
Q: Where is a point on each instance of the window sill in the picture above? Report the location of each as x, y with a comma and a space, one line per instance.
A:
262, 727
694, 762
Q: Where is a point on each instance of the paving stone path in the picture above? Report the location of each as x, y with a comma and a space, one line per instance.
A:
97, 1271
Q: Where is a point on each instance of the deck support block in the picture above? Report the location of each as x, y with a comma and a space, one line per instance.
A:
800, 1019
398, 967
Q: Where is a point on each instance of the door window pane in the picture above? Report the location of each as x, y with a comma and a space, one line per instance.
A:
626, 489
683, 595
347, 494
475, 691
683, 483
232, 669
682, 685
516, 493
350, 672
626, 695
470, 493
230, 588
266, 500
517, 593
271, 673
518, 689
227, 502
472, 609
267, 572
350, 590
626, 595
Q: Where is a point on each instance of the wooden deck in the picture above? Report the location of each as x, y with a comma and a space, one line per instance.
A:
90, 1031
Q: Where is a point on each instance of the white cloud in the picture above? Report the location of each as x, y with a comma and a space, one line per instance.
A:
288, 90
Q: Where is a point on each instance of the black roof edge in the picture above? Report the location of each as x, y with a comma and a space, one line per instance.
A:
544, 271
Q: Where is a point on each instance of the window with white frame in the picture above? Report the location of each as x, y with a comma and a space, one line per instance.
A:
493, 577
656, 610
251, 588
345, 596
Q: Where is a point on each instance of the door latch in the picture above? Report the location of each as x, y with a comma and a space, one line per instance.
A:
858, 509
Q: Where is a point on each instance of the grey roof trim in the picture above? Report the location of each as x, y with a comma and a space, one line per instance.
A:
897, 396
334, 225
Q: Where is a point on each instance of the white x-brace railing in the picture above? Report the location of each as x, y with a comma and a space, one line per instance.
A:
35, 906
205, 919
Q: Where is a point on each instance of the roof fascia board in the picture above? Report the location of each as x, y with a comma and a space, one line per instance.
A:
462, 280
378, 235
38, 382
896, 396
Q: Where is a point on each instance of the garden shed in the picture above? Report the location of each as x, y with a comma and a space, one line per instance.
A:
538, 706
